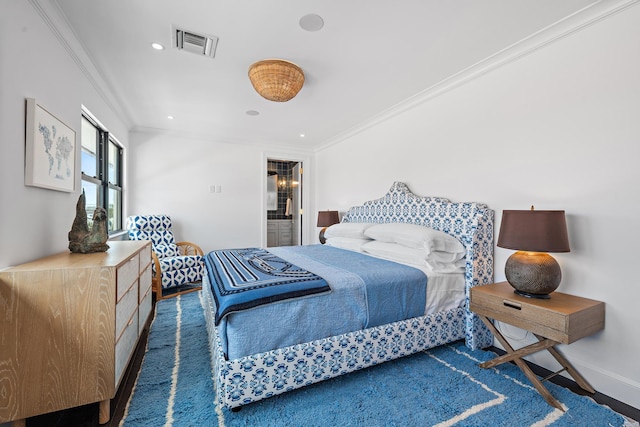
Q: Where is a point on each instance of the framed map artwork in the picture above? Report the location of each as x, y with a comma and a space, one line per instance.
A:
50, 150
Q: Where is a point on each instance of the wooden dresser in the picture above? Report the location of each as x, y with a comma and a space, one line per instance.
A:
69, 324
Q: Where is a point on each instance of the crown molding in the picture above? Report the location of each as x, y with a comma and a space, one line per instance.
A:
553, 33
52, 15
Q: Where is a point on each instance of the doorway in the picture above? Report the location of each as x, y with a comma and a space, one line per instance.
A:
284, 202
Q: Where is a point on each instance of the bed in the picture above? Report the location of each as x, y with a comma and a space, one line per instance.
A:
248, 368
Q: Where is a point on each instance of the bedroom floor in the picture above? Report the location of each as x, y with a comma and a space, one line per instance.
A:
87, 416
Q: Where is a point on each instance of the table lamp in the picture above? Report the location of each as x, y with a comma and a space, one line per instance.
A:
531, 271
326, 219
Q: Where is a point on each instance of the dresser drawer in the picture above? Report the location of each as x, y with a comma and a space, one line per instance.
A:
145, 282
126, 275
144, 310
125, 309
125, 346
535, 319
145, 257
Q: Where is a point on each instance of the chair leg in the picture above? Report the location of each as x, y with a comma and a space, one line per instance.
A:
157, 287
182, 292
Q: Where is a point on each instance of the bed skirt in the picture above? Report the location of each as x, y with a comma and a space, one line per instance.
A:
256, 377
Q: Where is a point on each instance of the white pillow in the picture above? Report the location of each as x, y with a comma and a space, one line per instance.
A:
347, 229
349, 243
395, 252
417, 236
437, 261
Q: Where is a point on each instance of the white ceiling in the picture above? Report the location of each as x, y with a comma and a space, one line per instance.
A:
370, 56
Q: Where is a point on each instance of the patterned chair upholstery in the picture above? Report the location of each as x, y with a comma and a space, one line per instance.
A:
177, 266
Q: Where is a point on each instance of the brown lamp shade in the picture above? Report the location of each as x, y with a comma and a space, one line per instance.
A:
534, 231
276, 79
327, 218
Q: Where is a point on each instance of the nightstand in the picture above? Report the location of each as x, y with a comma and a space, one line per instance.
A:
561, 319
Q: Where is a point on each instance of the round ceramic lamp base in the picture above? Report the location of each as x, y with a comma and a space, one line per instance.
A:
321, 237
533, 274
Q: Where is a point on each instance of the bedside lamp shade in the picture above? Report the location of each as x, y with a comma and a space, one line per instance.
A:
531, 270
326, 219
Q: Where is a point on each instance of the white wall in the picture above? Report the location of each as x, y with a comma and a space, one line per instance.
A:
172, 175
34, 222
559, 129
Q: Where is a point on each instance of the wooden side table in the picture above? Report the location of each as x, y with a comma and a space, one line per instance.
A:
561, 319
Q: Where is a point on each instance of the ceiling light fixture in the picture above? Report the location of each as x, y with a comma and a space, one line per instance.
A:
157, 46
276, 79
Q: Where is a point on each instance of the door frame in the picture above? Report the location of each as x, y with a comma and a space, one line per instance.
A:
305, 160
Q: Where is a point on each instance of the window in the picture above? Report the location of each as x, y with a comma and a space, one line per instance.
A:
101, 173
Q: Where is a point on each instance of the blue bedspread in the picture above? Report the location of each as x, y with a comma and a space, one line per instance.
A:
389, 287
246, 278
365, 292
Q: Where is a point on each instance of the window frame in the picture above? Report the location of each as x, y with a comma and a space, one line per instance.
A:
102, 180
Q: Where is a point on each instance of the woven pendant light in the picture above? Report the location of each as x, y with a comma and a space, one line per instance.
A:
276, 80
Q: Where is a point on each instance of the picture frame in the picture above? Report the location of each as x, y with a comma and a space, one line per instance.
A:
50, 150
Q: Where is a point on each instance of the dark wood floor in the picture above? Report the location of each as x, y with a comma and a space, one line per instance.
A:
87, 416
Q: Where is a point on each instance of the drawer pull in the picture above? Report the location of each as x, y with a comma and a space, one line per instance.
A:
512, 304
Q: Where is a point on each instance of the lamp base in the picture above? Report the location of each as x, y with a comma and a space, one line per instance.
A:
533, 274
528, 295
323, 240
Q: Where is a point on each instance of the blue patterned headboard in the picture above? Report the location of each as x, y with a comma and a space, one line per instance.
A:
469, 222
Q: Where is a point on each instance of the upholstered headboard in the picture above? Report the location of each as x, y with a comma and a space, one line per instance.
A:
469, 222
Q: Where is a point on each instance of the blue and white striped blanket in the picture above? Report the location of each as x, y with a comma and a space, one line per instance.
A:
246, 278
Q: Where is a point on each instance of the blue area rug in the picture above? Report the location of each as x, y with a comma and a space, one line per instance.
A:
440, 387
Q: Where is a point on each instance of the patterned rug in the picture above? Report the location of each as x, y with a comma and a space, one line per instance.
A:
439, 387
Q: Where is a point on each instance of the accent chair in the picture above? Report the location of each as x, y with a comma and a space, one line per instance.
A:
177, 266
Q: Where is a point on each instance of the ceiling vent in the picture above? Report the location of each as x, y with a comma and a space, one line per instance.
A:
190, 41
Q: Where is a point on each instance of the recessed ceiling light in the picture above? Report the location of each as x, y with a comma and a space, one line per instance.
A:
170, 117
252, 113
302, 135
311, 22
157, 46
